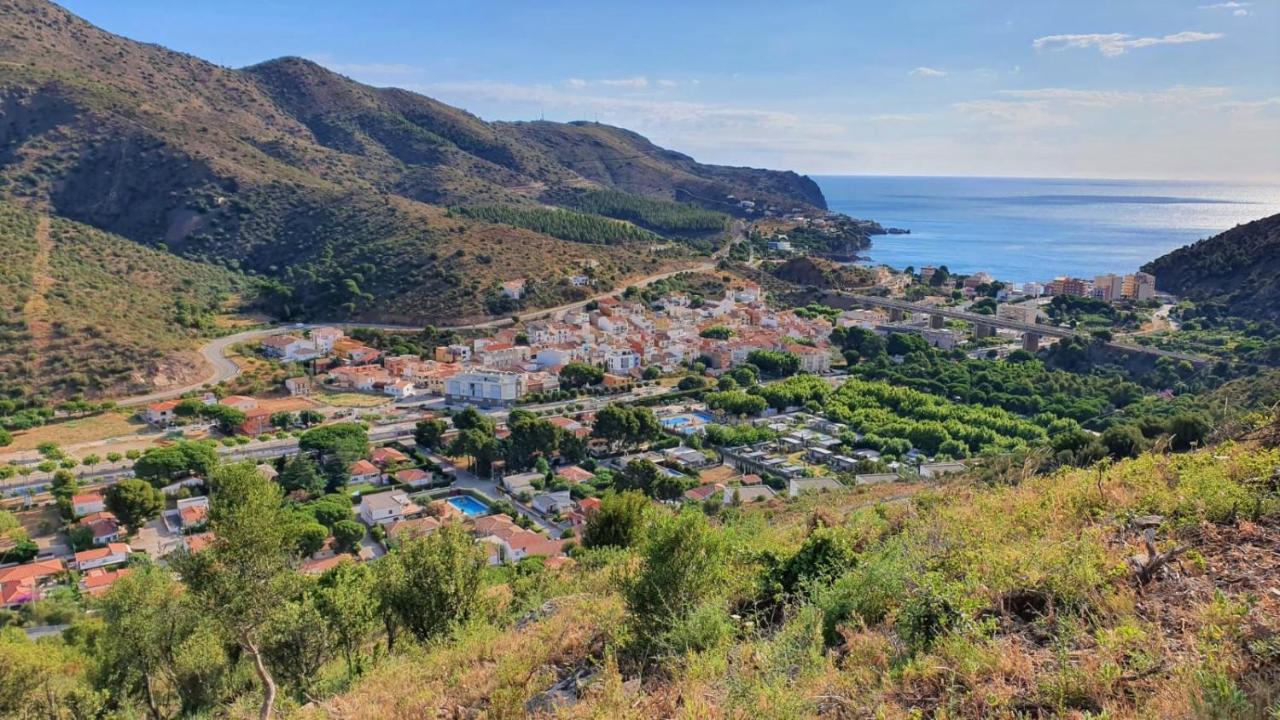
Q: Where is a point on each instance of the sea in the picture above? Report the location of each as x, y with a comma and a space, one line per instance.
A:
1034, 229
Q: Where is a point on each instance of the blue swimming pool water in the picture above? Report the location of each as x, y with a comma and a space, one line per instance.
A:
680, 421
469, 506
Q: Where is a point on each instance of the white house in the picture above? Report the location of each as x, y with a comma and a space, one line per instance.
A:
385, 508
193, 511
520, 482
325, 337
161, 413
289, 348
553, 502
398, 389
363, 471
104, 527
112, 554
87, 504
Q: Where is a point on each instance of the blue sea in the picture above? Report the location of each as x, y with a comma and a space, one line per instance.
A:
1032, 229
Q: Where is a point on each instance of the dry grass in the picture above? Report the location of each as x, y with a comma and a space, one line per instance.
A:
1046, 618
488, 670
718, 474
94, 428
350, 399
287, 404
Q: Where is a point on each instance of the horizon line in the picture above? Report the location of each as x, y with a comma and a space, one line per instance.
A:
1265, 182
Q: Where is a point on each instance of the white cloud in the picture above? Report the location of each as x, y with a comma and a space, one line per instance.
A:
1012, 115
1039, 109
1239, 9
928, 72
638, 82
1179, 94
1114, 44
1251, 104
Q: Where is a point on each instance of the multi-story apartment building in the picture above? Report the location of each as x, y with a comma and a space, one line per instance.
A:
484, 387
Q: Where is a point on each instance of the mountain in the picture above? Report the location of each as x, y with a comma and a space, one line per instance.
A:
1239, 269
340, 194
86, 312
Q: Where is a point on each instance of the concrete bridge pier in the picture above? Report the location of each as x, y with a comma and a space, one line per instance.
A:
937, 322
896, 315
984, 331
1031, 342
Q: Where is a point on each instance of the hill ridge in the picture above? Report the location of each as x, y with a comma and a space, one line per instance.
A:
1237, 269
292, 171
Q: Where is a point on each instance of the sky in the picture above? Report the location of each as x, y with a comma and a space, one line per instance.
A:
1167, 89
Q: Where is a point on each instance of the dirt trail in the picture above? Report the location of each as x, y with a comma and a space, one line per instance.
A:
37, 308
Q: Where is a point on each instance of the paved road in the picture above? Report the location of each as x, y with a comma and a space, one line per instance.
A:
215, 354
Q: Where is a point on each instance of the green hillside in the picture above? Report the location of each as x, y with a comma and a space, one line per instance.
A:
1238, 270
294, 172
87, 312
1137, 589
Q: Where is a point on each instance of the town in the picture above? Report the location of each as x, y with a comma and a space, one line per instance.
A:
678, 358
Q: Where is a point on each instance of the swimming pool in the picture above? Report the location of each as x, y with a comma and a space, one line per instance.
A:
688, 421
469, 506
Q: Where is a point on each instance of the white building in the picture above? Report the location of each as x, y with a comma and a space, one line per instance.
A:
483, 387
520, 482
553, 502
325, 337
384, 508
622, 361
552, 356
399, 389
289, 348
112, 554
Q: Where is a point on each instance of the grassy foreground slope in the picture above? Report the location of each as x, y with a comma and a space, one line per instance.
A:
87, 312
978, 599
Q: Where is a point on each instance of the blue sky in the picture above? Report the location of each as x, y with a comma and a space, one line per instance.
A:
1147, 89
